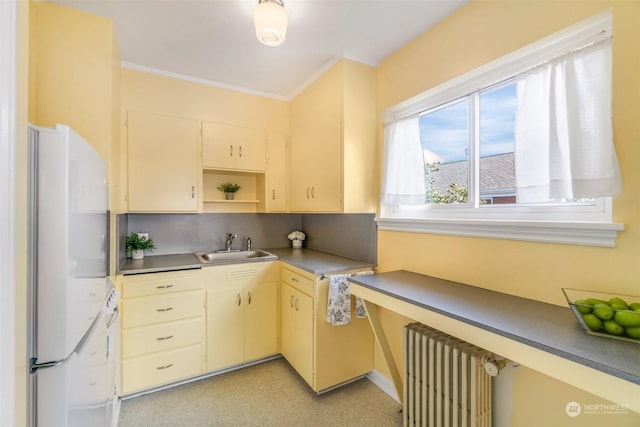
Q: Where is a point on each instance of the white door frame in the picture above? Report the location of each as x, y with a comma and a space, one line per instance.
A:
8, 63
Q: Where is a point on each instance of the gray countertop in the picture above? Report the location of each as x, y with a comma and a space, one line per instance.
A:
160, 263
307, 259
317, 262
544, 326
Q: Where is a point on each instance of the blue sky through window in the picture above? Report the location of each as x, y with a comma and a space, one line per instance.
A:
445, 135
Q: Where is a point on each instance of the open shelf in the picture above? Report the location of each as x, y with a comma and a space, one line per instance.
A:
247, 199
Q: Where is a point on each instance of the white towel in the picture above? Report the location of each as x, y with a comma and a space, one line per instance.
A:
339, 300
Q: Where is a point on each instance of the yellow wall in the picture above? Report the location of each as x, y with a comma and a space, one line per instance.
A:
73, 65
476, 34
155, 93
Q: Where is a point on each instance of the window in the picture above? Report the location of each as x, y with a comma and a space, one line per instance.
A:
497, 161
448, 146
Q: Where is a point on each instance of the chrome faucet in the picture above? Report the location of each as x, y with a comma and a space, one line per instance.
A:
230, 238
248, 243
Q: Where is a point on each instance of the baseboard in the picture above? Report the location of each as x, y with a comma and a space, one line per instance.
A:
384, 383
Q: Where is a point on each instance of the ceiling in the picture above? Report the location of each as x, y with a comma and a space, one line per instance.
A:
213, 41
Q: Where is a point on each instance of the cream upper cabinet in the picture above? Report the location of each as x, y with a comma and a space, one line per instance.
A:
233, 147
242, 313
276, 188
333, 142
163, 163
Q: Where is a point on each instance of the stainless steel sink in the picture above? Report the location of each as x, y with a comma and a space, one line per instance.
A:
225, 257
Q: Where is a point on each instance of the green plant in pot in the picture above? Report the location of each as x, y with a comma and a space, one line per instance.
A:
136, 245
229, 189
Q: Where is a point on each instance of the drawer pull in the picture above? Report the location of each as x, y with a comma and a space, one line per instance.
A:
291, 301
165, 366
239, 299
164, 286
164, 338
249, 298
296, 303
293, 279
165, 309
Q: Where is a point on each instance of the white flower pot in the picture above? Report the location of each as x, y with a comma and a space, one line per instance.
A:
296, 243
137, 254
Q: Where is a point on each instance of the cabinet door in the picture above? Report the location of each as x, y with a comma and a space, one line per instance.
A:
233, 147
225, 328
316, 147
276, 196
296, 331
163, 160
260, 320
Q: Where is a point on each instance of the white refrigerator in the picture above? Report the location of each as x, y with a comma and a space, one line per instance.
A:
73, 308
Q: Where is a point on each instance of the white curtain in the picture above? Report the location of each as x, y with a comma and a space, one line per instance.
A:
403, 172
564, 138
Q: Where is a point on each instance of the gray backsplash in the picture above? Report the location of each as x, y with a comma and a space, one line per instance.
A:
349, 235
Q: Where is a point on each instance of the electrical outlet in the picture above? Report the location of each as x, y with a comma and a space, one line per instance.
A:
143, 235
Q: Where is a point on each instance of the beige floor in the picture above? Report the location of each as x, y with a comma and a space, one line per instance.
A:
268, 394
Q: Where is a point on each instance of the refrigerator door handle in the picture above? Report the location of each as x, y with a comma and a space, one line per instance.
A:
79, 347
33, 366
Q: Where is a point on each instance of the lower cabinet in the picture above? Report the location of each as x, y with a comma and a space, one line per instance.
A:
324, 355
296, 330
242, 313
162, 329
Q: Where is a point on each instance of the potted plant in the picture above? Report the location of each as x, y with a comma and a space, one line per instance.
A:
136, 245
296, 238
229, 189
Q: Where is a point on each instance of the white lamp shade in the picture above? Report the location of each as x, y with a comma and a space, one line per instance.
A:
270, 19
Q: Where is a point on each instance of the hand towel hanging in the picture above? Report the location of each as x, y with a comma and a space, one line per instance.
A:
339, 300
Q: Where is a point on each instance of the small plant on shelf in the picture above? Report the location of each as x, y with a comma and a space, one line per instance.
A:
229, 189
136, 245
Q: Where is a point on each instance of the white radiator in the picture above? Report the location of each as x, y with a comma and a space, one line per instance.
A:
445, 383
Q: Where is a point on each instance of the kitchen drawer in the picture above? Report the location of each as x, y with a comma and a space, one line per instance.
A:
161, 337
161, 368
161, 308
298, 281
160, 283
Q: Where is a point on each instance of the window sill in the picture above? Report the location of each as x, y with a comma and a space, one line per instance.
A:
573, 233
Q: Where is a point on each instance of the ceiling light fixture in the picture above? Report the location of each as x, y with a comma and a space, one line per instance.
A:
270, 19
